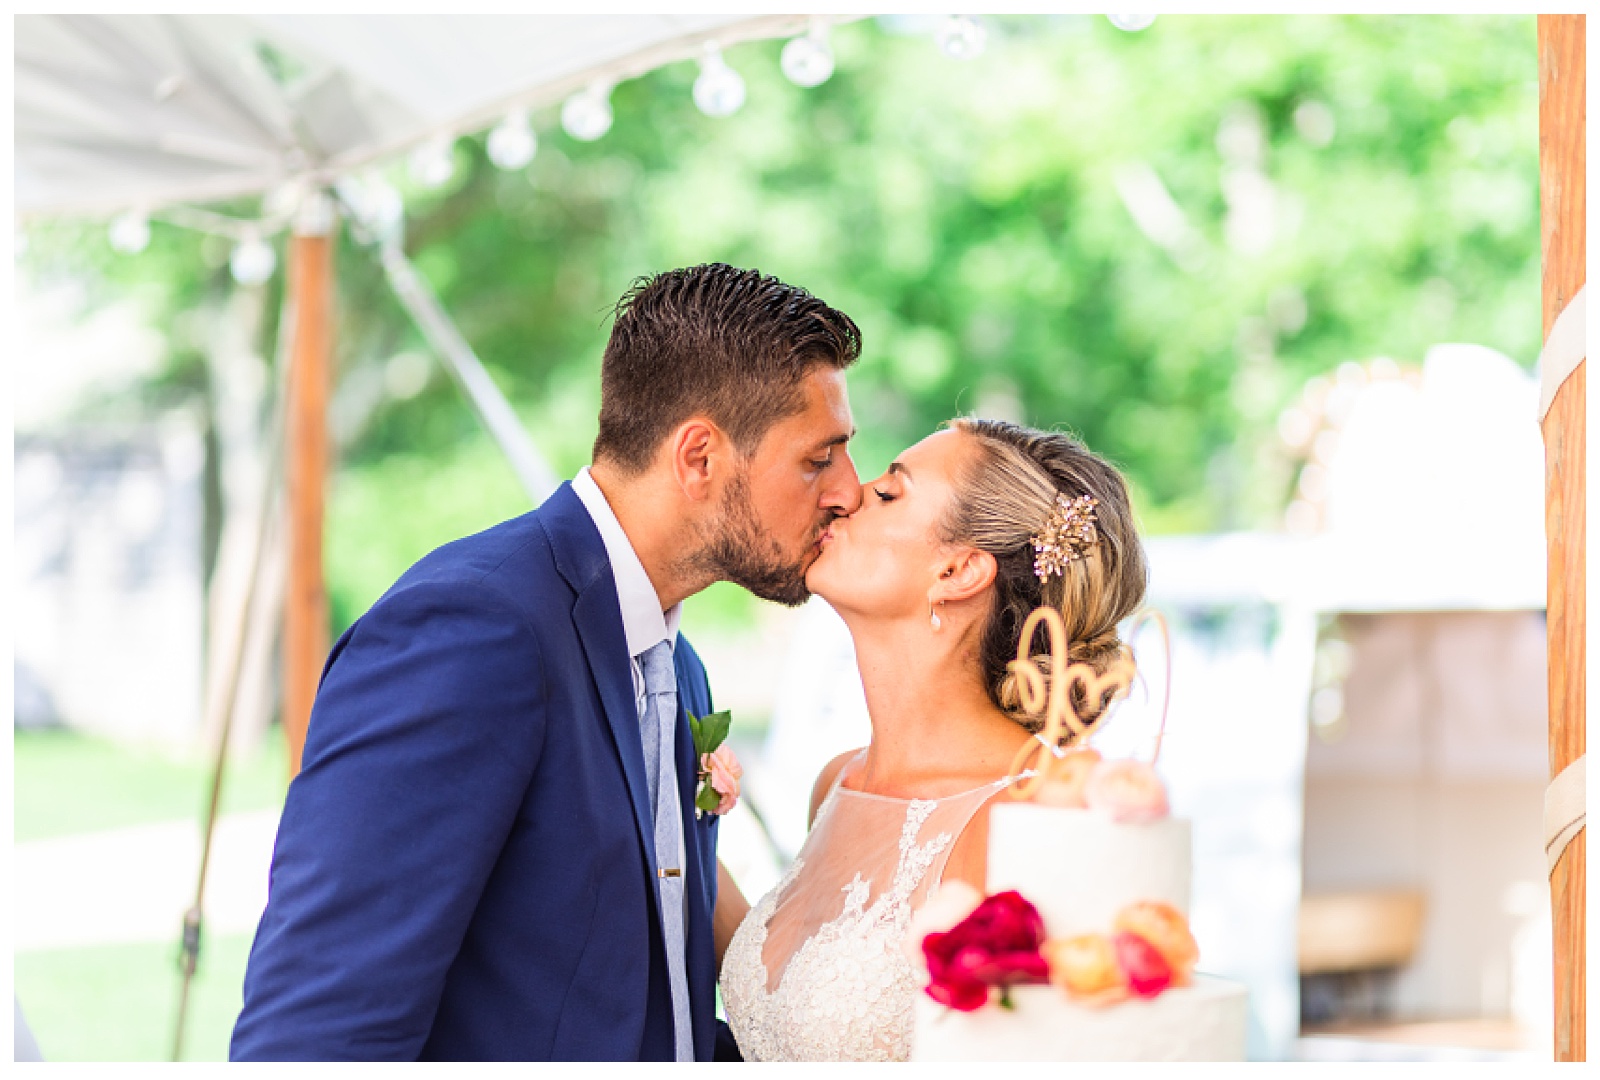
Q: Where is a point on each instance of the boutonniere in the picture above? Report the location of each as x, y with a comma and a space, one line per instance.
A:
719, 770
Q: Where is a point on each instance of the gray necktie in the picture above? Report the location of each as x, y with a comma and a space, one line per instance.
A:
658, 725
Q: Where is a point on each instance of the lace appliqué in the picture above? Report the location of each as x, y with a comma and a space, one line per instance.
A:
847, 992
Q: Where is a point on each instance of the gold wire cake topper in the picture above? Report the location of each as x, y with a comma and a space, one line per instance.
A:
1052, 695
1067, 536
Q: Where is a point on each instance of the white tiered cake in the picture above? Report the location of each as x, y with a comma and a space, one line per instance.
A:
1080, 869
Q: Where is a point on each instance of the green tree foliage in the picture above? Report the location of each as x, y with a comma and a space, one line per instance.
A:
1152, 239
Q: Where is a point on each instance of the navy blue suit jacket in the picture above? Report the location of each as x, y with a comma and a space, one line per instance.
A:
465, 867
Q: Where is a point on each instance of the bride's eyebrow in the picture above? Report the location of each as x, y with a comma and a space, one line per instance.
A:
896, 467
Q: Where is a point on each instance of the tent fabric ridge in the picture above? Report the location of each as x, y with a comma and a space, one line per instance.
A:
144, 112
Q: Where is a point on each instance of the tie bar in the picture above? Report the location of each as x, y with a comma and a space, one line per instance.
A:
669, 871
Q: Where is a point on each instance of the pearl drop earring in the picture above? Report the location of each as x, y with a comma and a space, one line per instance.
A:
934, 612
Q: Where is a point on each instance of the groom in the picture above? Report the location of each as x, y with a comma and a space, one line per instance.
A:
492, 851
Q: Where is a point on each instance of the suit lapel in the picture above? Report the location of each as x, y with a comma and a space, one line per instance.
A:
599, 622
597, 614
580, 556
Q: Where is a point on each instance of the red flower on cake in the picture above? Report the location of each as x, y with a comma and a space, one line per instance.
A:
997, 945
949, 903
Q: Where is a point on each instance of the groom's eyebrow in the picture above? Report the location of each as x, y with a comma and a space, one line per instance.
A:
837, 440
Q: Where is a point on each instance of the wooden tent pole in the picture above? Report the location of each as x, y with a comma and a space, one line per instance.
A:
1561, 203
305, 616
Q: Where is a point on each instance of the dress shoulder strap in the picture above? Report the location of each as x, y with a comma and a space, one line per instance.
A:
833, 785
963, 809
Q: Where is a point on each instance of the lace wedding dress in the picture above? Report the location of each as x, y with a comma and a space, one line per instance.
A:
816, 971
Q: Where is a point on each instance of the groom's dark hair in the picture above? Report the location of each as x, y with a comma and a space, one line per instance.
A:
717, 341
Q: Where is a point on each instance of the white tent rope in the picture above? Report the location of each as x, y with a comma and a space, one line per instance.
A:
1563, 351
1564, 800
1564, 810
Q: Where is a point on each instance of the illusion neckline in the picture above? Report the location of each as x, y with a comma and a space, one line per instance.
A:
942, 798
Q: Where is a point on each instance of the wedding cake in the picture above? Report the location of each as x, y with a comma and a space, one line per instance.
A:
1082, 949
1081, 869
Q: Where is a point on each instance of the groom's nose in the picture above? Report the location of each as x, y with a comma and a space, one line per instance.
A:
843, 492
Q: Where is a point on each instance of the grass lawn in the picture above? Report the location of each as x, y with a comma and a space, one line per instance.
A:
68, 783
119, 1002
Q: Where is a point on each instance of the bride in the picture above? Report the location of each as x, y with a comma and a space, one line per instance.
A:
966, 533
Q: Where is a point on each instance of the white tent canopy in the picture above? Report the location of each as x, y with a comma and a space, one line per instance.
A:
142, 111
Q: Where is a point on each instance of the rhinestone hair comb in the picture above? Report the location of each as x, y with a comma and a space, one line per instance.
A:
1066, 537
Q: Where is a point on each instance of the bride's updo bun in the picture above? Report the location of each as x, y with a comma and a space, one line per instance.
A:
1004, 497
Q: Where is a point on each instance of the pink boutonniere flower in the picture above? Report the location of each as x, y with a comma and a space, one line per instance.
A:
722, 771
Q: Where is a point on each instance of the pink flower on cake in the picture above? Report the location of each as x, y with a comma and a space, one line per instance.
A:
1147, 971
1065, 779
722, 771
995, 946
951, 902
1167, 931
1129, 791
1086, 967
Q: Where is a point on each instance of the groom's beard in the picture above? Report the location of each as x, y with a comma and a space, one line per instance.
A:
739, 550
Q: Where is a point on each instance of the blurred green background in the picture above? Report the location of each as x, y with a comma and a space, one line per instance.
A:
1153, 239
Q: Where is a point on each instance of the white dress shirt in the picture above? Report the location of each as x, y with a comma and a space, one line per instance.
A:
643, 622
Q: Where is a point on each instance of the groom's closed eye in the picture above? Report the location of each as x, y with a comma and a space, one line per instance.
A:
837, 440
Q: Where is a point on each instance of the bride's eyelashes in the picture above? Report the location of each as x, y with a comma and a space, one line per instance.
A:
884, 496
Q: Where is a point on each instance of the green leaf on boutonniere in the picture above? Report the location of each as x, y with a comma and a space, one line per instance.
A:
709, 732
707, 799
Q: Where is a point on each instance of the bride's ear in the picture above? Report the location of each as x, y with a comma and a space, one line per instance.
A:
965, 574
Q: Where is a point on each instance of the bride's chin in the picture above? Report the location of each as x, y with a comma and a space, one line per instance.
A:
819, 584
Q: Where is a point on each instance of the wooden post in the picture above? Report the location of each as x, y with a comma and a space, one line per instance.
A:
305, 616
1561, 202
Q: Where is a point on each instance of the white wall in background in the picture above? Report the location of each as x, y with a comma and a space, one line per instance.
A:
1435, 781
107, 588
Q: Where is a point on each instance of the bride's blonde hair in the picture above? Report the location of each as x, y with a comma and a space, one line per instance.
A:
1005, 494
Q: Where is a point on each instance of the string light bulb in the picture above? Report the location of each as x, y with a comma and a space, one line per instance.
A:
719, 90
374, 203
512, 144
586, 115
807, 60
130, 232
252, 261
1131, 24
962, 37
433, 163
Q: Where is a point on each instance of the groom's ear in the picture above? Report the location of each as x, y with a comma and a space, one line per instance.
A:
697, 450
964, 575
